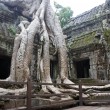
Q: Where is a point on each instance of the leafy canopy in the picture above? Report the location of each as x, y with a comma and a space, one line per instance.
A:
64, 13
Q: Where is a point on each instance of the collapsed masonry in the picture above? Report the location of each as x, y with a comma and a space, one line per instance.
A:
88, 43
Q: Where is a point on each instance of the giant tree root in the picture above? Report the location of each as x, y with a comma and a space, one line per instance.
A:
11, 91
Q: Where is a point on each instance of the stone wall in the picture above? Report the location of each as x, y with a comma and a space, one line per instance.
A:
96, 55
9, 21
7, 30
6, 46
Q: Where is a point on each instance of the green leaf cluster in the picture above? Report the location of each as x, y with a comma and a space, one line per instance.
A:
12, 30
64, 14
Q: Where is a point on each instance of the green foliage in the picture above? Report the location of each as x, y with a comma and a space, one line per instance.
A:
107, 32
12, 30
64, 14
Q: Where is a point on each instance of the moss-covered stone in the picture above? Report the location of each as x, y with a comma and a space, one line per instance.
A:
107, 35
84, 40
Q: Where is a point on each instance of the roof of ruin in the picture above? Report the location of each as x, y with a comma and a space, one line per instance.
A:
86, 16
82, 29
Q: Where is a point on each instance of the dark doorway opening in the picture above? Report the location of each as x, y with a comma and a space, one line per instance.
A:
53, 70
82, 68
5, 63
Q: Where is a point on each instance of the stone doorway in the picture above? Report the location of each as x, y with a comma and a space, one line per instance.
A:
82, 68
5, 63
53, 70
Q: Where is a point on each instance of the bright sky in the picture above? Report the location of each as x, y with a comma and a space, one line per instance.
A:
79, 6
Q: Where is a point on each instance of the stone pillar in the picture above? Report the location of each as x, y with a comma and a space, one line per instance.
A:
73, 70
108, 64
93, 66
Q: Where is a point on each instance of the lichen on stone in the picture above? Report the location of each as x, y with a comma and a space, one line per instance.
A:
107, 35
84, 40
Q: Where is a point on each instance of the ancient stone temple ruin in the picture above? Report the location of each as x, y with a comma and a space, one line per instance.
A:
89, 43
37, 67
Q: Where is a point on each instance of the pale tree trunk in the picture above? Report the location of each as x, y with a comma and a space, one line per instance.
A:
18, 50
17, 42
54, 25
20, 55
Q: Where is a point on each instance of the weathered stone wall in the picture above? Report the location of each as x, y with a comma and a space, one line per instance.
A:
7, 30
84, 28
6, 39
6, 46
9, 20
98, 63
